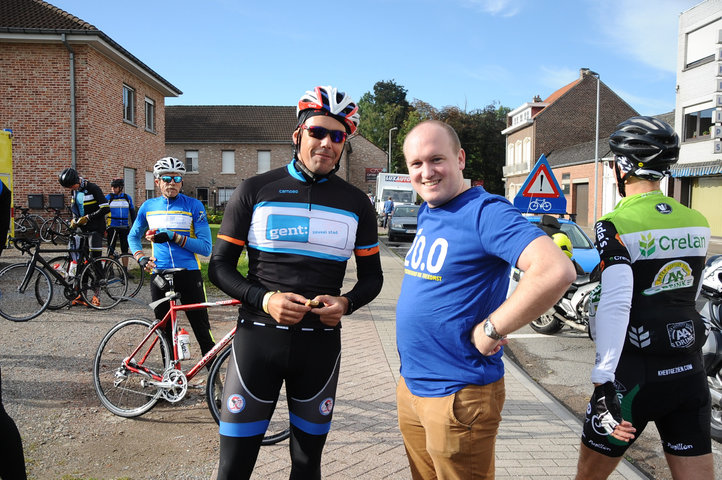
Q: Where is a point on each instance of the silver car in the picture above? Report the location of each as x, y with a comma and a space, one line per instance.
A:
402, 224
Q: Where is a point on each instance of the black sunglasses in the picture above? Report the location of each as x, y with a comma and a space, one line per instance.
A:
175, 178
337, 136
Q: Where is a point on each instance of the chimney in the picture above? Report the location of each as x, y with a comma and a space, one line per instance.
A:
583, 72
536, 99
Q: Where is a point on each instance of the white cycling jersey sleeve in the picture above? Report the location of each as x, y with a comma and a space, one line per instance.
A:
612, 318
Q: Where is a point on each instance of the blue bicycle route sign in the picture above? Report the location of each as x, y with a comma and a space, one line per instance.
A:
540, 192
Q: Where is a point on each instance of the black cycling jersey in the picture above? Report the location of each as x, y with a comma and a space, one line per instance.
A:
299, 235
89, 200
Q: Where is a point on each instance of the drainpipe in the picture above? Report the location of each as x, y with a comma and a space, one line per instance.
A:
73, 160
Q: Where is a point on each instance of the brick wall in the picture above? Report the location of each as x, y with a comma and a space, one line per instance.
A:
571, 119
35, 104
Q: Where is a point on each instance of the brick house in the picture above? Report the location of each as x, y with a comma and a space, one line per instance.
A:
556, 127
74, 97
223, 145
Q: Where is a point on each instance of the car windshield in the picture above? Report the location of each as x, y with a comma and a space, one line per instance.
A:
577, 237
406, 211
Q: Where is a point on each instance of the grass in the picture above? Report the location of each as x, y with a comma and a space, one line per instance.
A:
242, 264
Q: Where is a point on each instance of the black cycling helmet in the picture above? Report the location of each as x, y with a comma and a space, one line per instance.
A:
643, 147
117, 182
68, 178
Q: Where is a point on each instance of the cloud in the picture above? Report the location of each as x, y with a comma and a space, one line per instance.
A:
556, 77
643, 29
502, 8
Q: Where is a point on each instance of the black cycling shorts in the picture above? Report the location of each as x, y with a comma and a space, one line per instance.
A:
264, 356
672, 394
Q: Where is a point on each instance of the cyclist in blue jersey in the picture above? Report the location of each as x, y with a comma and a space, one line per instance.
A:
177, 228
122, 214
300, 225
452, 315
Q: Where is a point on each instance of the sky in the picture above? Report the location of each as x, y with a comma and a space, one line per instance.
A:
464, 53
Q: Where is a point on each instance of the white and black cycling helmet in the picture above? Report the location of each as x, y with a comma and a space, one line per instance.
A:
168, 165
68, 177
643, 147
327, 100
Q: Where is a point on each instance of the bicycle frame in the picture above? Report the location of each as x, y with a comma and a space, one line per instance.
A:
172, 317
36, 258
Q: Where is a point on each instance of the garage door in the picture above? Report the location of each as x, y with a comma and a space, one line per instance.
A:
706, 197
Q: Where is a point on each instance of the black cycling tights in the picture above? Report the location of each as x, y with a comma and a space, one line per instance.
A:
238, 461
263, 358
12, 466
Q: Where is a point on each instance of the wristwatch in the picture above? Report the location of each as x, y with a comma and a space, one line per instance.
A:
490, 331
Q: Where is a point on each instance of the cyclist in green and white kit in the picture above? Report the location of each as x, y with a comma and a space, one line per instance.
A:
647, 331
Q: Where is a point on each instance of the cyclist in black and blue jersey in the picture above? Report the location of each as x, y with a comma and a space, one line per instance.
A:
300, 225
177, 227
643, 319
122, 214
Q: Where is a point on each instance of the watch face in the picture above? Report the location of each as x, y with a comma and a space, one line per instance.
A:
490, 331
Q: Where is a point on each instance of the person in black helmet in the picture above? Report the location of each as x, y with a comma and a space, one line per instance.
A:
647, 331
89, 207
300, 225
122, 214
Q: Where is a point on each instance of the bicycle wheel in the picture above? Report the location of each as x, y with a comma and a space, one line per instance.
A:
278, 429
59, 299
46, 230
129, 389
22, 298
55, 230
103, 283
136, 275
26, 228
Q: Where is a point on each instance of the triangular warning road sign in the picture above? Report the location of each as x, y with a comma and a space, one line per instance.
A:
541, 182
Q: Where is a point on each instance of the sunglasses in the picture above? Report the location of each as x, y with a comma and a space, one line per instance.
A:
337, 136
175, 178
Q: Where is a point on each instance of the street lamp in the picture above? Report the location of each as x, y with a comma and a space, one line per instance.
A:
390, 130
596, 150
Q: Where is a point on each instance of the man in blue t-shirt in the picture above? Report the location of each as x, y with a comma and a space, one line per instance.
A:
452, 315
388, 210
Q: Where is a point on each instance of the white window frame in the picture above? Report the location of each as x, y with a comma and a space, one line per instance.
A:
149, 115
264, 161
228, 161
149, 185
191, 161
128, 104
224, 194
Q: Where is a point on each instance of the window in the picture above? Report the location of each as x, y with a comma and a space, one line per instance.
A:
224, 194
697, 124
510, 154
228, 161
527, 151
149, 115
128, 104
149, 185
264, 161
129, 178
566, 182
701, 44
518, 152
191, 161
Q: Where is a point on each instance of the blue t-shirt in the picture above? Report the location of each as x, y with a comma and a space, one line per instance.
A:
456, 273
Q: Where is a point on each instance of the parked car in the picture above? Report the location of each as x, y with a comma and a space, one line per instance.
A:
584, 253
402, 224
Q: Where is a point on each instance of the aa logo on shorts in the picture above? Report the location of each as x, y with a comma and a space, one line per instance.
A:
681, 334
235, 403
326, 406
672, 276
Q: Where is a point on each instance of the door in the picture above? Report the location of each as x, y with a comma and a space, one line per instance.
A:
581, 203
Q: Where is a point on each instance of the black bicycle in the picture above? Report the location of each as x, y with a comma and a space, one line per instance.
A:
27, 225
55, 229
29, 288
135, 273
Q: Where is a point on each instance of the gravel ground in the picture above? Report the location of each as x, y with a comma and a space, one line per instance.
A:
67, 434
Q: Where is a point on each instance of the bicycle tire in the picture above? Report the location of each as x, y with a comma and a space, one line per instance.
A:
21, 306
103, 279
55, 230
26, 228
121, 391
58, 300
135, 273
278, 428
46, 230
